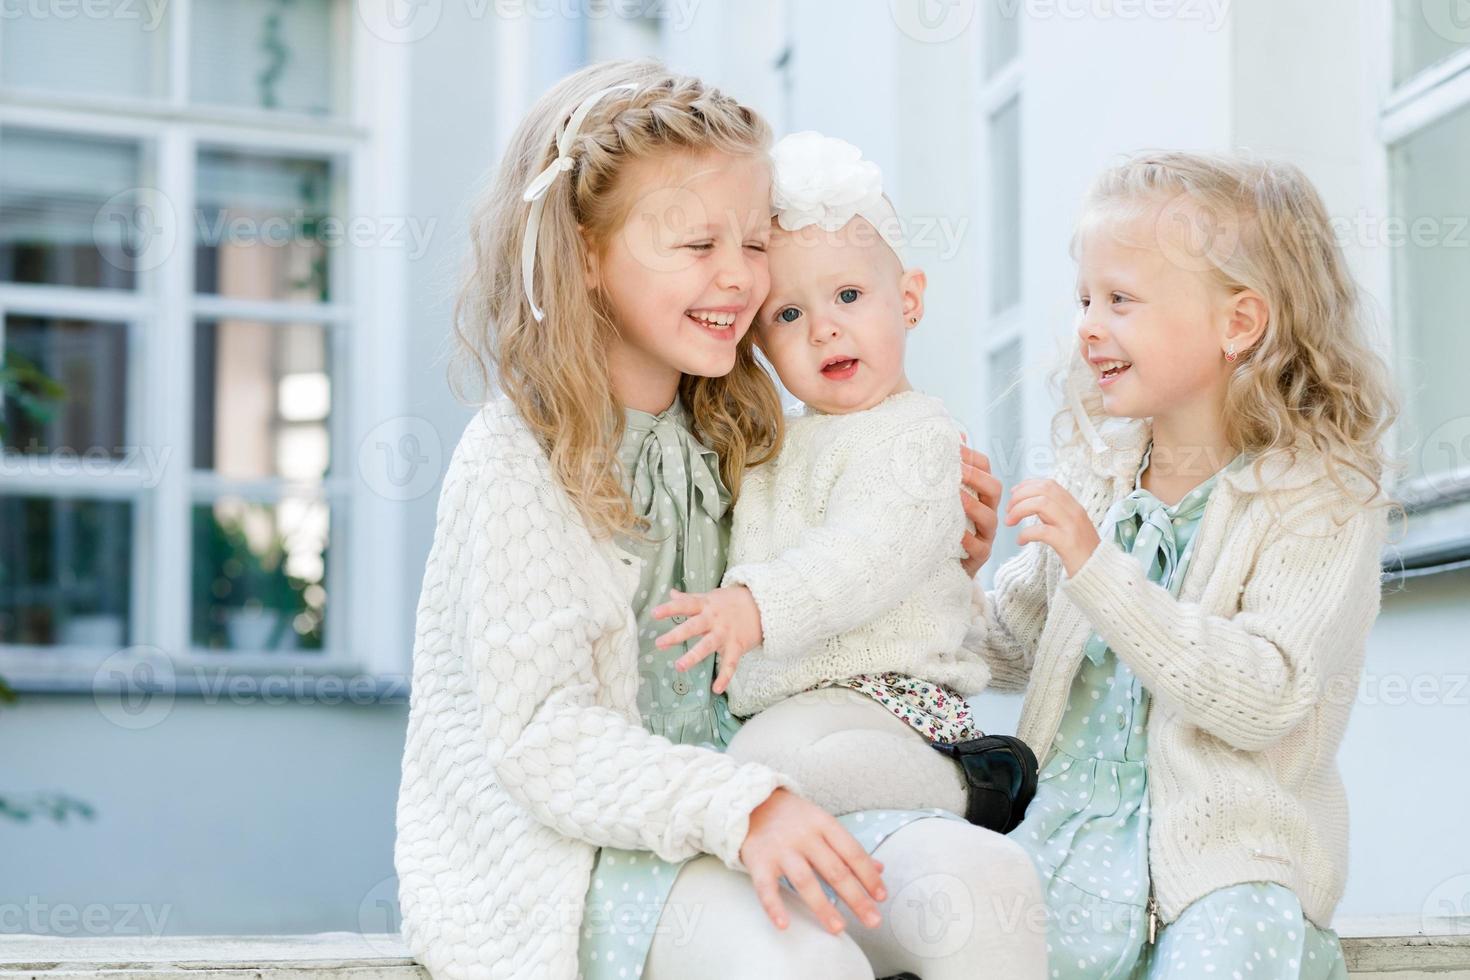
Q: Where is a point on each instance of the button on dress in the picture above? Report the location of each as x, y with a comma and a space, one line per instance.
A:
1087, 827
674, 483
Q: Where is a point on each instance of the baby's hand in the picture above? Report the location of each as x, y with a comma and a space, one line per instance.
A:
728, 619
1064, 524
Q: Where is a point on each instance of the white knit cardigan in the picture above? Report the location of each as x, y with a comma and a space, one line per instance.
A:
850, 541
1252, 670
525, 751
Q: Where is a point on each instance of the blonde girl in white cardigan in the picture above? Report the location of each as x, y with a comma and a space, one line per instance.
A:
566, 807
1188, 669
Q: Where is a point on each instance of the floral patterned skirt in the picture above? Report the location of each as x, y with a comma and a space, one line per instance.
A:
934, 711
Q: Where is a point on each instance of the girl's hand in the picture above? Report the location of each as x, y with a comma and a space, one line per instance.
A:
1064, 524
980, 494
728, 619
795, 837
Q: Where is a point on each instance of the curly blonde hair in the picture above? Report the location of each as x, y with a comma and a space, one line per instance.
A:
1314, 377
556, 371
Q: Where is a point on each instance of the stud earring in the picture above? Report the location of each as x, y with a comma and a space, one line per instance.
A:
913, 319
1230, 354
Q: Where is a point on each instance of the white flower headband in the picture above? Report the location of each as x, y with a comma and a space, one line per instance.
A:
537, 188
825, 181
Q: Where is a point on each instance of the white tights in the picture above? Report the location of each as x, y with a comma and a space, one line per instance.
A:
963, 901
848, 752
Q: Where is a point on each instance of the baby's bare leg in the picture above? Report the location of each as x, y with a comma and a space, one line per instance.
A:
848, 753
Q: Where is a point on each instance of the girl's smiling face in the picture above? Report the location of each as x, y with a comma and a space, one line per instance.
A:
684, 275
1163, 321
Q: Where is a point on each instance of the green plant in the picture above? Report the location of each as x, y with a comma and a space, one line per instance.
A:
29, 388
230, 575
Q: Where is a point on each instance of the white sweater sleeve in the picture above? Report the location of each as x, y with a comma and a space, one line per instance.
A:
893, 514
1251, 678
1006, 622
515, 601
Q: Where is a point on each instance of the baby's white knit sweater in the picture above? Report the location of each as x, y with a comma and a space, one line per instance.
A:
850, 542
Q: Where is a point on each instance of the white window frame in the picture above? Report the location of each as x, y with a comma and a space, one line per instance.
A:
1003, 327
1438, 531
367, 143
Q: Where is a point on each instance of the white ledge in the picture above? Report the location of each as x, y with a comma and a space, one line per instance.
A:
1388, 948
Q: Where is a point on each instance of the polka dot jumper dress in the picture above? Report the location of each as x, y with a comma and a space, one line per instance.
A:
1087, 828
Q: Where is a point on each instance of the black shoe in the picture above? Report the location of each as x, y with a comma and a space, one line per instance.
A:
1000, 771
903, 976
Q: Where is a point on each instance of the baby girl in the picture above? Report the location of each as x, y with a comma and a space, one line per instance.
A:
845, 602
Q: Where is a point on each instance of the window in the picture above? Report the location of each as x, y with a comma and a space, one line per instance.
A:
1002, 291
1431, 191
1425, 120
1007, 435
1005, 207
1002, 33
171, 219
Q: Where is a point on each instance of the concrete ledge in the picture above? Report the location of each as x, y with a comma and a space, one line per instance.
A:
1376, 949
334, 955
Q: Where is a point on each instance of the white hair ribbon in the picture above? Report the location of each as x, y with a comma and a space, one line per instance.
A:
536, 190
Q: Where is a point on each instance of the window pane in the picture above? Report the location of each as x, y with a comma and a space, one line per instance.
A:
1006, 451
64, 575
107, 47
262, 397
1002, 35
1432, 191
1005, 207
622, 30
1426, 32
68, 215
263, 54
88, 359
259, 575
260, 226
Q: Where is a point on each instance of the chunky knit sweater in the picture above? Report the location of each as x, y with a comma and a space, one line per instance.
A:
525, 751
850, 541
1253, 669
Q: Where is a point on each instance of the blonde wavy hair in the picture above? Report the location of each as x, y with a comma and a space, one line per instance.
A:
1314, 378
556, 371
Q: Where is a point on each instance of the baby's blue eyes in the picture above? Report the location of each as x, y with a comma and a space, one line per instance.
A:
789, 314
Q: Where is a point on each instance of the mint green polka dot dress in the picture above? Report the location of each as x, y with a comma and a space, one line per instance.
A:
674, 482
1087, 828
